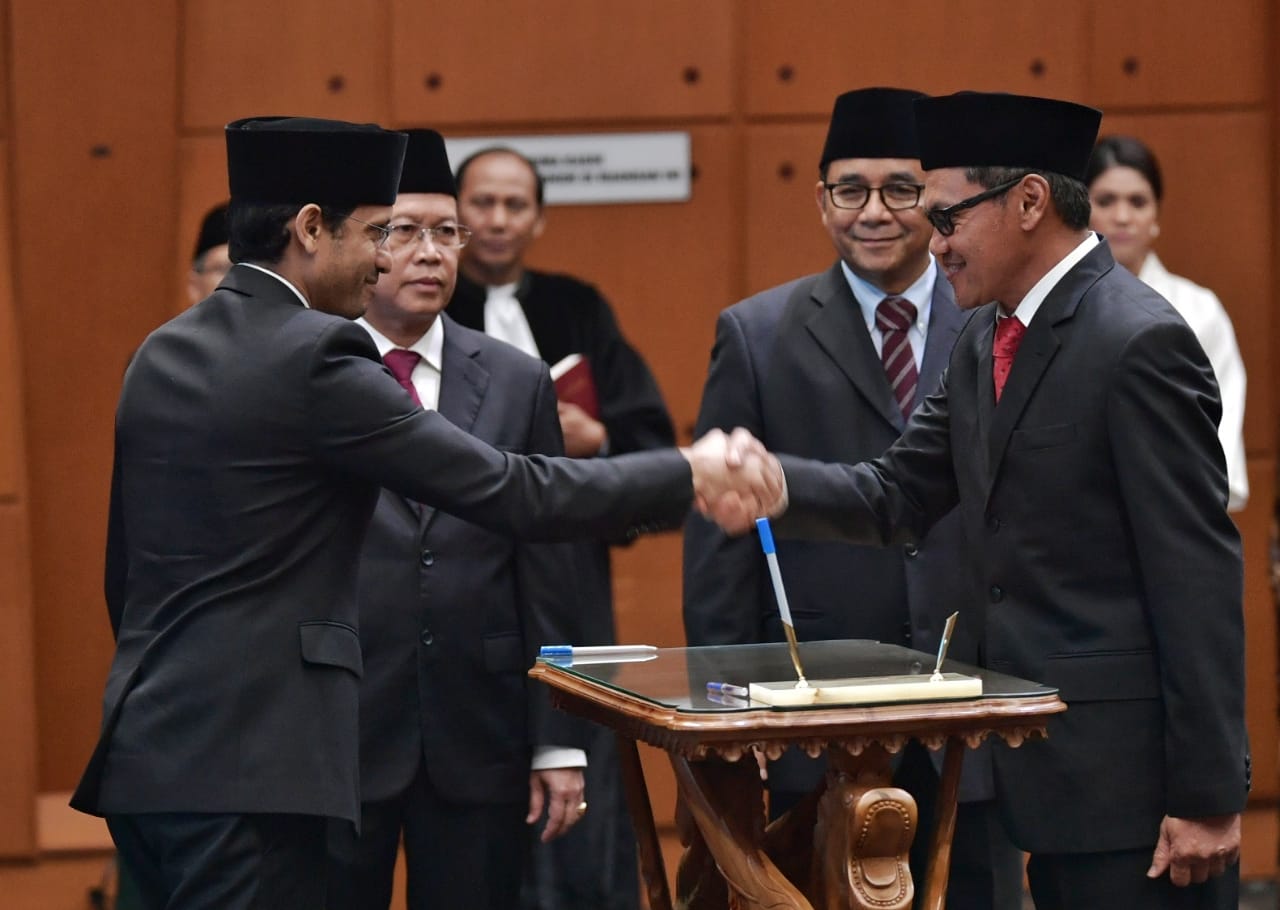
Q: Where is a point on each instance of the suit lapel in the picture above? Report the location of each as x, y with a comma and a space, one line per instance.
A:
1038, 348
463, 382
838, 329
945, 323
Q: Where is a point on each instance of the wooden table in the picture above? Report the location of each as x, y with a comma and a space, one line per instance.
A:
843, 847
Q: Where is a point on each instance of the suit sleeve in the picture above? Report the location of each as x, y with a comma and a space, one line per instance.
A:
363, 423
722, 575
547, 590
1161, 419
894, 499
631, 406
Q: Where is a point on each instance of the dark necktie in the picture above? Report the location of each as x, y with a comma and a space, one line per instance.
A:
894, 318
1009, 332
401, 363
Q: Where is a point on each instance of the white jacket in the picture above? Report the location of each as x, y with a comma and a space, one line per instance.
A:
1205, 314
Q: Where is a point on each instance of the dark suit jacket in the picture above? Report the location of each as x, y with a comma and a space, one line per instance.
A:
452, 615
1095, 496
568, 316
796, 366
252, 436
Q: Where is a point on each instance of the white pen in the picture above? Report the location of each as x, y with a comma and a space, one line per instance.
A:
594, 650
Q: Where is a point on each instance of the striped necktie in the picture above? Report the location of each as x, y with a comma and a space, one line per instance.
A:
894, 318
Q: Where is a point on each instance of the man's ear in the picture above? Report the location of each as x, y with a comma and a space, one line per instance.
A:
541, 224
1034, 200
307, 226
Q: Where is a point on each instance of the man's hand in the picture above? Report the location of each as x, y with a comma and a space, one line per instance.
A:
560, 791
584, 436
735, 480
1194, 850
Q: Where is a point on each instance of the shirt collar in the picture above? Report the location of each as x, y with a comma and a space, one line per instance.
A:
920, 294
1030, 304
430, 347
278, 277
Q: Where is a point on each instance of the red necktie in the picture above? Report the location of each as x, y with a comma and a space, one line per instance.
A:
1009, 332
401, 363
894, 318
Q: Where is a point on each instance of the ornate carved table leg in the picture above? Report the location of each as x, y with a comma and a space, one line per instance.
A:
725, 800
652, 868
864, 834
944, 828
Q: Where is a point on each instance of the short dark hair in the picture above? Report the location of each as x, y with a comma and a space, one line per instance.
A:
1070, 196
503, 150
1125, 151
258, 232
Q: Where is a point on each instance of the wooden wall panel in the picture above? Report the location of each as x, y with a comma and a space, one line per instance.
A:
1154, 53
783, 229
94, 190
1216, 229
245, 58
559, 60
800, 55
12, 452
202, 184
1262, 699
17, 687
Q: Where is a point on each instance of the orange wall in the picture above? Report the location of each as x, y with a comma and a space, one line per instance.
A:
111, 148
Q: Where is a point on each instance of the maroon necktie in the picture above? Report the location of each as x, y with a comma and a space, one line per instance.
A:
1009, 332
401, 363
894, 318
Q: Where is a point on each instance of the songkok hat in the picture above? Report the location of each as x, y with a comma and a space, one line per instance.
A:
992, 129
872, 123
426, 165
279, 160
213, 230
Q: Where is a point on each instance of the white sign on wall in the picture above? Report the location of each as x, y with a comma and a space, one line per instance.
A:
598, 168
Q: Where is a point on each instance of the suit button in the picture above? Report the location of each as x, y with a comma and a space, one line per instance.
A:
994, 524
997, 594
428, 558
428, 637
911, 550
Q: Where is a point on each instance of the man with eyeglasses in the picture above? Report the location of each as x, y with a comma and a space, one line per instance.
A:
555, 316
211, 260
253, 433
1075, 430
830, 366
459, 751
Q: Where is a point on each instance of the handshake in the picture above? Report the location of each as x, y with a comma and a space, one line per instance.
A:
735, 480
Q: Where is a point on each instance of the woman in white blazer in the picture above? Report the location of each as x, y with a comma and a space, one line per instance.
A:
1125, 190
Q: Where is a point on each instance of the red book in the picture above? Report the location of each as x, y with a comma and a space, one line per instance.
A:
572, 378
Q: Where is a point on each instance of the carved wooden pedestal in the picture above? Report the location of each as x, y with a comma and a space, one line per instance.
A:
844, 847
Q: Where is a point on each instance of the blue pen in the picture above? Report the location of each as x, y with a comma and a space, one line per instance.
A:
775, 573
723, 688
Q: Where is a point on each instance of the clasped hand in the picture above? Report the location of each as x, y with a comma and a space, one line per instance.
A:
735, 480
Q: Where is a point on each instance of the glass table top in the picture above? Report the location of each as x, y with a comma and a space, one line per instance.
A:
677, 677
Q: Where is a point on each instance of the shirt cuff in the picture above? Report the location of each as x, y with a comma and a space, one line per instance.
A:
547, 757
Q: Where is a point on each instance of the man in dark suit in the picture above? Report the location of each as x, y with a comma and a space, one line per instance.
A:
1075, 429
452, 615
252, 435
553, 316
803, 366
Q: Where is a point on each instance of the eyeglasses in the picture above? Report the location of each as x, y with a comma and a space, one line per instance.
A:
943, 220
446, 236
383, 231
893, 196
